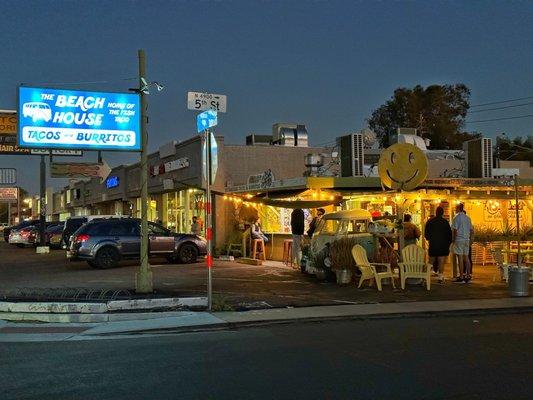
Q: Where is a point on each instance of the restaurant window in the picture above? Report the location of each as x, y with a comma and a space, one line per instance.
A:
180, 207
278, 220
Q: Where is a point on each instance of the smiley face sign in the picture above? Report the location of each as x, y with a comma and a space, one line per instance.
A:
402, 166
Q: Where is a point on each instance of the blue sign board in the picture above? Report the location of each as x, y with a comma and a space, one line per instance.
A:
206, 120
72, 119
112, 182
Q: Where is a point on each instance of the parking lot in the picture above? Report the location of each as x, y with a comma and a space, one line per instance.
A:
25, 274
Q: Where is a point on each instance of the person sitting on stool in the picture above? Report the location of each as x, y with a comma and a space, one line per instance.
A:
257, 233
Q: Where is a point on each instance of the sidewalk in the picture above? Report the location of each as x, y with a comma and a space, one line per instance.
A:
125, 324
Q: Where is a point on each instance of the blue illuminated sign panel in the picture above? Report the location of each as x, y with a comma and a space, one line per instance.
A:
71, 119
206, 120
112, 182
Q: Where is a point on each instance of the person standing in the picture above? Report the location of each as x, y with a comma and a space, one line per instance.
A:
462, 231
297, 230
314, 222
411, 232
439, 235
196, 227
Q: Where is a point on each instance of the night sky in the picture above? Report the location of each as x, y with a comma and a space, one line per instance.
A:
327, 64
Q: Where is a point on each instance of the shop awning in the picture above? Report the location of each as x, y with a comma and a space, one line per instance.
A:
296, 203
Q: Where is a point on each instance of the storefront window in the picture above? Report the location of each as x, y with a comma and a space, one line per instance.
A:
181, 206
153, 214
278, 220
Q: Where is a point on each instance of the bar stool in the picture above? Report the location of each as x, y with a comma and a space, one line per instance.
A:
287, 252
258, 249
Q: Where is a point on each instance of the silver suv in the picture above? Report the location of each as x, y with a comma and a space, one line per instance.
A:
103, 243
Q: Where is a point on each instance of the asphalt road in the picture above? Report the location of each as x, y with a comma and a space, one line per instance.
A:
485, 357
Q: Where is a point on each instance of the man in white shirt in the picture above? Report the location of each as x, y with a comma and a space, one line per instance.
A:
462, 232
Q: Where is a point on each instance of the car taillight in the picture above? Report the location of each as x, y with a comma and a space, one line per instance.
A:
81, 238
25, 233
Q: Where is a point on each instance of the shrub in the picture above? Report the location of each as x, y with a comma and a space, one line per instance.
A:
340, 253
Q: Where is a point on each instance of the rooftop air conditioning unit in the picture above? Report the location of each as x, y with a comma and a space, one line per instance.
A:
351, 154
291, 135
478, 157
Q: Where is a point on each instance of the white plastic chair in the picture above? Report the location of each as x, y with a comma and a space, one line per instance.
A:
503, 268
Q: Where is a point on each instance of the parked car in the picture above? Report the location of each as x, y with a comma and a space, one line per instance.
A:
23, 224
29, 235
103, 243
54, 234
336, 225
72, 224
23, 237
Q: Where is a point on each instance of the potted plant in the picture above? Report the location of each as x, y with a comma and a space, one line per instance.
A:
306, 253
342, 261
315, 265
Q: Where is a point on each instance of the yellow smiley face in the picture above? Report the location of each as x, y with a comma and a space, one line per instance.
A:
402, 166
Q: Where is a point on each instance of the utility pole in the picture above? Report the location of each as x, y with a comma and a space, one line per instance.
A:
42, 208
143, 279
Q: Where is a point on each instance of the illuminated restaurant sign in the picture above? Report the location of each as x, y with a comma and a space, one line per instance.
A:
112, 182
70, 119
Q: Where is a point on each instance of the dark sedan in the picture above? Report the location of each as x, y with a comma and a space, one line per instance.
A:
103, 243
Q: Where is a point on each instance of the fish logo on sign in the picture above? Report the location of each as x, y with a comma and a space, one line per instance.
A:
206, 120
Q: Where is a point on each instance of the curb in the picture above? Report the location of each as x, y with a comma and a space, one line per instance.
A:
99, 308
267, 322
234, 320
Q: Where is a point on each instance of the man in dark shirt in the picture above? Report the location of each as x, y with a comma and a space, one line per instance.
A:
439, 235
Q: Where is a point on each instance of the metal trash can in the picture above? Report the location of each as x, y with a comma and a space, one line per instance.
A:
518, 281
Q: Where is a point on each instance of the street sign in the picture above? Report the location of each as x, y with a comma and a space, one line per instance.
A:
206, 120
72, 119
206, 101
8, 123
57, 152
13, 149
8, 176
80, 170
9, 194
8, 133
214, 158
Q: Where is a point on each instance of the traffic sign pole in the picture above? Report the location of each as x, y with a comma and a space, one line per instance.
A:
208, 220
204, 121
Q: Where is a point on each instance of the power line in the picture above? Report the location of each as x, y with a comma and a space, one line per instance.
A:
501, 119
79, 83
500, 108
502, 101
325, 144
